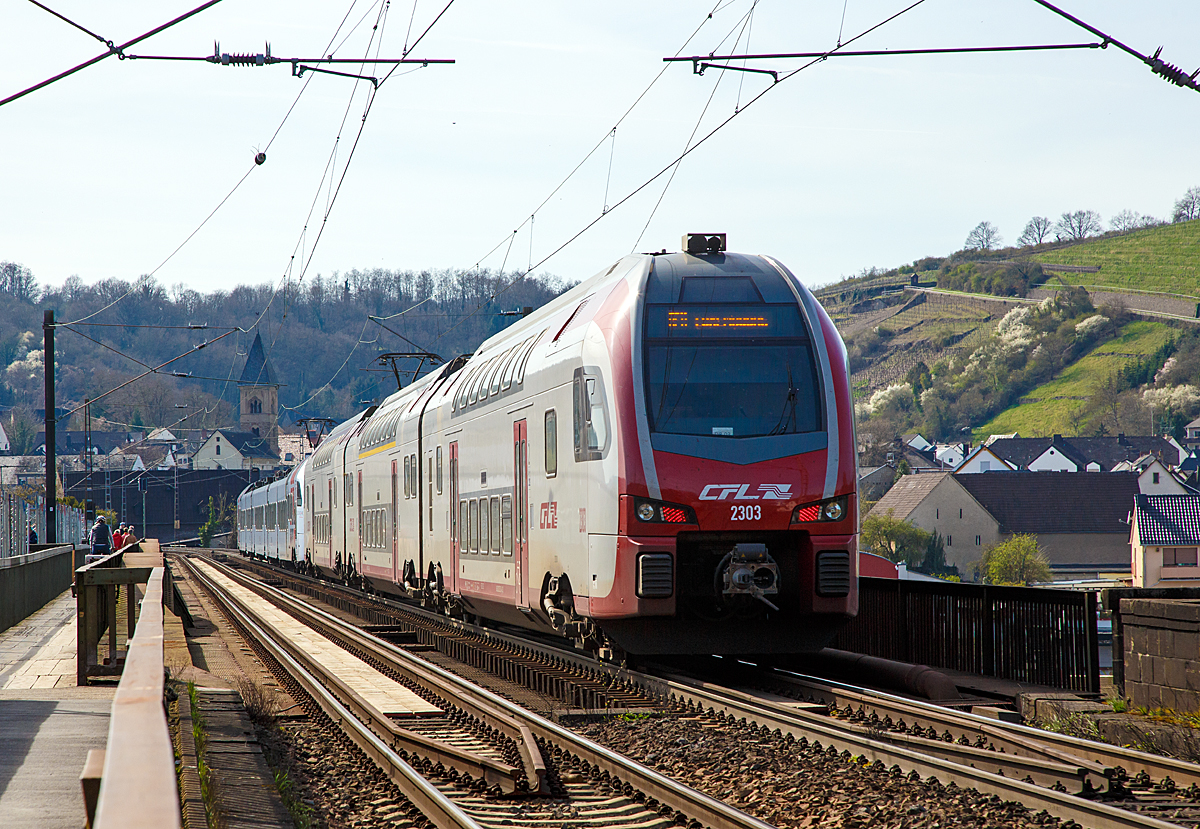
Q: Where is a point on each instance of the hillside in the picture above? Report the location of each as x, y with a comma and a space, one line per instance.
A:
1009, 343
1057, 407
318, 335
1165, 258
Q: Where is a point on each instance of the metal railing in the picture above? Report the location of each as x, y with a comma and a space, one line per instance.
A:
98, 588
20, 512
1027, 634
137, 786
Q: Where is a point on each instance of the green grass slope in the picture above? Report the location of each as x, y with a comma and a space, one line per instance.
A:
1163, 259
1053, 407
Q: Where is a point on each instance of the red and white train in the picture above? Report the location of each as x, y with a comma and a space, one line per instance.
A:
660, 461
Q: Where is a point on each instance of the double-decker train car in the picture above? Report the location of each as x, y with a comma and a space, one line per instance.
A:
660, 461
270, 519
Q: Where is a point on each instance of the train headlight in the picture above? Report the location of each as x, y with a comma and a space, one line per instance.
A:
832, 510
660, 512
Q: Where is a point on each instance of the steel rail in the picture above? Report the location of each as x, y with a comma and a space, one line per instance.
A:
1048, 743
435, 806
831, 732
465, 693
957, 724
493, 772
680, 798
832, 735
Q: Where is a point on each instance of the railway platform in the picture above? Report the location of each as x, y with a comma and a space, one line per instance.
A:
47, 723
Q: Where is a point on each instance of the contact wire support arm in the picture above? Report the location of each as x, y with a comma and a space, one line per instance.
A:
1168, 72
299, 65
703, 62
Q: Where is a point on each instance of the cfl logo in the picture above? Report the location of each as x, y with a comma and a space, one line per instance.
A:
738, 492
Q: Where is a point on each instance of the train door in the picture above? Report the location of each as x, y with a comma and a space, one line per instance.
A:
359, 546
521, 507
455, 567
333, 562
397, 571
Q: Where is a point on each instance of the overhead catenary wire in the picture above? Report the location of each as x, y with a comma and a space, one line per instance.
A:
593, 222
71, 22
153, 370
112, 50
747, 22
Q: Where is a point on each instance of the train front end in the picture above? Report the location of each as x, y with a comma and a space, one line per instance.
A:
738, 513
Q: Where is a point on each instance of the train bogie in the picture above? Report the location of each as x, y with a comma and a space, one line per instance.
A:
661, 460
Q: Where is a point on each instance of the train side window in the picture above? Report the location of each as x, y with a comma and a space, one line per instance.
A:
406, 462
416, 472
473, 525
590, 416
462, 526
465, 390
551, 443
439, 470
485, 538
483, 378
506, 537
495, 375
506, 373
300, 497
495, 524
473, 391
524, 359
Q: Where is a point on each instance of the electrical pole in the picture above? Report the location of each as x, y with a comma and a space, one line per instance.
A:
51, 466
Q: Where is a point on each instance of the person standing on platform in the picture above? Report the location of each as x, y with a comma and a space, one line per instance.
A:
119, 537
33, 536
130, 536
100, 539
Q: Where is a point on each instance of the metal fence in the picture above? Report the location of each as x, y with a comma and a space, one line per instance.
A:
1026, 634
20, 512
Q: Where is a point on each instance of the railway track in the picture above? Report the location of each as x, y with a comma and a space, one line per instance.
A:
1088, 783
467, 755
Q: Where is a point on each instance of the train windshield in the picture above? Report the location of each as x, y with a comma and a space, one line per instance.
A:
730, 370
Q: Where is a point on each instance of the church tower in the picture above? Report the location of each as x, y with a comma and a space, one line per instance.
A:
259, 389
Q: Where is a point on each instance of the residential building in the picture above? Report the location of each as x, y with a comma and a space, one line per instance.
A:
937, 502
226, 449
1079, 519
874, 481
1191, 435
1164, 541
983, 459
293, 449
1077, 454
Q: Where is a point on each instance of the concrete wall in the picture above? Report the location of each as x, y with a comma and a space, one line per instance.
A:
29, 582
1162, 653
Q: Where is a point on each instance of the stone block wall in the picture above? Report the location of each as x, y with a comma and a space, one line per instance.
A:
1162, 653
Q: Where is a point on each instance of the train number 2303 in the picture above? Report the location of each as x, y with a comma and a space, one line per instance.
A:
747, 512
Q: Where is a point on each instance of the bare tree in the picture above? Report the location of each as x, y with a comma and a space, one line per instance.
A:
1036, 231
985, 236
1126, 221
1188, 207
18, 280
1078, 225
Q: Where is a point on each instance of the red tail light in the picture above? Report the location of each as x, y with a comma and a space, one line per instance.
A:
674, 515
810, 513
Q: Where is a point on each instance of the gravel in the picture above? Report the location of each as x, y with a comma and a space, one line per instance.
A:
788, 785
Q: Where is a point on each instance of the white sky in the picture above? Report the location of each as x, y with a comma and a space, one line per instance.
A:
853, 163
